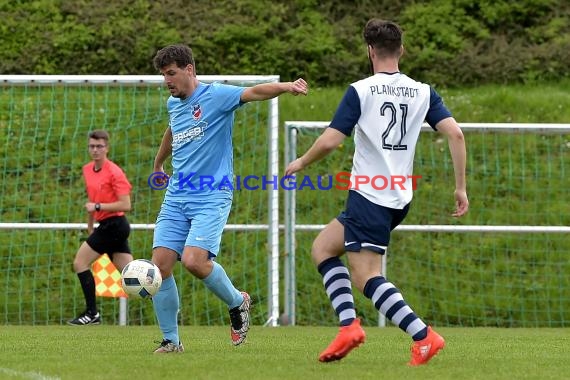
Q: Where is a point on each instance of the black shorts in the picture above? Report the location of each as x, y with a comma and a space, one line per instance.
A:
368, 225
111, 236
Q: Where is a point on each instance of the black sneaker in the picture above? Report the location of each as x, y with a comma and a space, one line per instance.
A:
86, 319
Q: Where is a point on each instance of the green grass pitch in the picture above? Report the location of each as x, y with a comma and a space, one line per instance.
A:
115, 352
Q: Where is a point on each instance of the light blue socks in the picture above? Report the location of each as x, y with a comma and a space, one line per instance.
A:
166, 306
220, 284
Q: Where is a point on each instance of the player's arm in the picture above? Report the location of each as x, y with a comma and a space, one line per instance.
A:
342, 124
266, 91
123, 204
90, 217
456, 141
90, 221
440, 119
164, 151
328, 141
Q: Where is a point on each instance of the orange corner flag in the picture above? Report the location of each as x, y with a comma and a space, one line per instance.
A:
107, 278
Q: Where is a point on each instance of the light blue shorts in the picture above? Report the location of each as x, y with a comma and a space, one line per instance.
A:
194, 223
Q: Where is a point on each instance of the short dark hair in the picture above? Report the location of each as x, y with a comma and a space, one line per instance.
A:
99, 134
179, 54
384, 36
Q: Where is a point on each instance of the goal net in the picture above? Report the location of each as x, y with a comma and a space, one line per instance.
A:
503, 264
44, 122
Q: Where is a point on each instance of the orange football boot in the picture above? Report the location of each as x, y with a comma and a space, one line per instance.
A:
425, 349
348, 338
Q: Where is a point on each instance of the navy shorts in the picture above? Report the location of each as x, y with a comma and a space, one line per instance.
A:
368, 225
111, 236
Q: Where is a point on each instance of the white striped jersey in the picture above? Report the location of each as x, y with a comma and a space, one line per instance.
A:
386, 112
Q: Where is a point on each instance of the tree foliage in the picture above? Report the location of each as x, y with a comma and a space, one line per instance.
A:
448, 42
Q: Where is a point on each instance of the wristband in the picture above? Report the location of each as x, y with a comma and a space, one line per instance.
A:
97, 206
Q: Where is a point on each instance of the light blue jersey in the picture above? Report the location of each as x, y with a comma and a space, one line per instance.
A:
202, 149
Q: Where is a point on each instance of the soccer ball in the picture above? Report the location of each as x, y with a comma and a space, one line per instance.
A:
141, 278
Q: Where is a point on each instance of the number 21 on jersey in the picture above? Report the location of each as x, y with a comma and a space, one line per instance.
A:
389, 110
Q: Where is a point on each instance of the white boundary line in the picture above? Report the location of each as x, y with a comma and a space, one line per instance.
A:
27, 375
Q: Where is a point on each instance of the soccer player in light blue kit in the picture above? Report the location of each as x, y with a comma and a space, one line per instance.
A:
199, 197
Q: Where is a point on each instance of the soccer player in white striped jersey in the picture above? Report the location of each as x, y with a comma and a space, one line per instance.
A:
386, 112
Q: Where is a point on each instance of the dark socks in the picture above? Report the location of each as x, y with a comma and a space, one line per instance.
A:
88, 285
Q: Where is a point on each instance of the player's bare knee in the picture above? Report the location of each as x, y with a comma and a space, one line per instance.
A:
120, 260
76, 266
189, 263
315, 248
197, 267
358, 280
164, 259
319, 252
165, 269
80, 265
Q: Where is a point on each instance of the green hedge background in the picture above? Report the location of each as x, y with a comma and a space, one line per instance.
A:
448, 42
